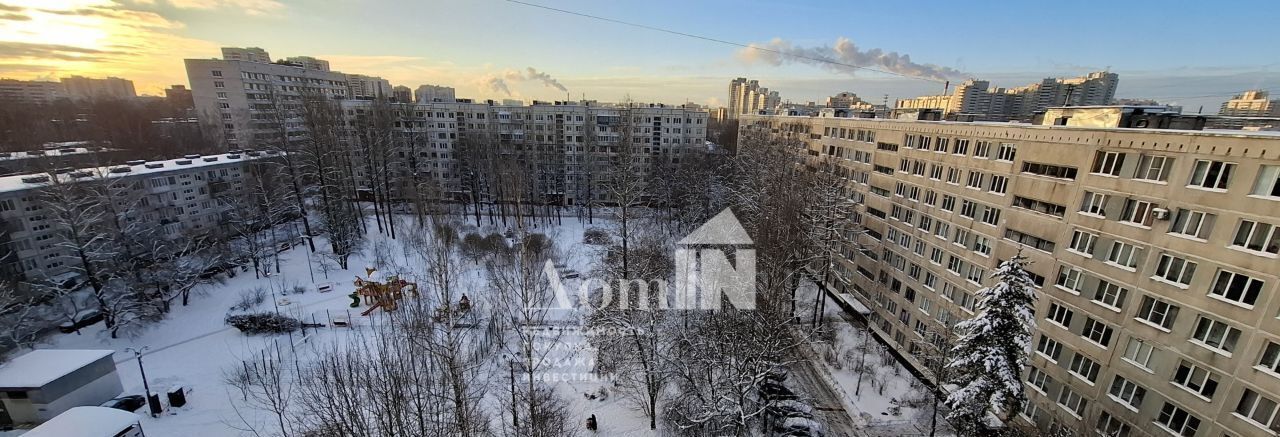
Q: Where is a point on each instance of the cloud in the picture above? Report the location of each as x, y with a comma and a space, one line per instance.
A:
250, 7
14, 17
778, 51
10, 8
22, 50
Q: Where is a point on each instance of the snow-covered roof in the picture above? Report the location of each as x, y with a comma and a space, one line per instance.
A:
85, 422
16, 182
51, 153
42, 366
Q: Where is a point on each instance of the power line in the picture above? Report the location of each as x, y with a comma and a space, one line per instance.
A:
721, 41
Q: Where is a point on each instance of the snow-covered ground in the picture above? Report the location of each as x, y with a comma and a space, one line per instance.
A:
194, 348
884, 384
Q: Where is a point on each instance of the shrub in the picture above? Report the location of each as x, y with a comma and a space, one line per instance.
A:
250, 298
263, 323
298, 289
595, 236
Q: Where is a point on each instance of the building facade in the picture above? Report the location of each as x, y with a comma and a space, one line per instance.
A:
177, 197
1154, 254
748, 97
435, 93
241, 102
978, 100
43, 383
567, 146
84, 88
368, 87
29, 91
1251, 109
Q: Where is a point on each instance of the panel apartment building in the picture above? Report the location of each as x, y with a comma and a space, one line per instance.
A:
977, 99
1154, 253
234, 95
558, 140
178, 197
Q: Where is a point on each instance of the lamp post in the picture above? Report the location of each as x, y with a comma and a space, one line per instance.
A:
137, 353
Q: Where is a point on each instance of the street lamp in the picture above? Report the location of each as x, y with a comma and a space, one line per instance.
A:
137, 353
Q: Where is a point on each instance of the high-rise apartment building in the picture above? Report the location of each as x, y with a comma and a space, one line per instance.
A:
247, 54
29, 91
748, 97
402, 94
236, 99
845, 100
977, 99
308, 62
1154, 254
368, 87
84, 88
435, 93
179, 97
1252, 109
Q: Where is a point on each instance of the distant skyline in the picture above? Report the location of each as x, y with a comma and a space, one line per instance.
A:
1182, 52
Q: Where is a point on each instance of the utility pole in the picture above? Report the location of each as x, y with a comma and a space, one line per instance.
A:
137, 353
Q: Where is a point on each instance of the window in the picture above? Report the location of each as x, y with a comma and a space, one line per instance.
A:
1071, 401
961, 238
1270, 360
1039, 206
975, 179
1109, 426
1050, 170
1049, 347
1216, 334
1196, 379
1215, 175
1192, 223
1094, 203
1236, 287
1107, 163
1258, 409
1127, 392
1060, 315
1109, 294
1097, 332
1084, 368
1268, 183
1006, 152
1038, 379
1082, 242
1158, 312
968, 209
1123, 254
1174, 269
1177, 420
982, 149
982, 245
948, 202
1137, 212
1153, 168
961, 147
1029, 240
1139, 353
991, 215
1070, 278
999, 184
953, 175
1257, 236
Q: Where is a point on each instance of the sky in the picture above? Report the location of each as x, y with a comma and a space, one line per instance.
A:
1192, 53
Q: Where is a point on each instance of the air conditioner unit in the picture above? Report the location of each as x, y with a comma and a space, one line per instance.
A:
1160, 213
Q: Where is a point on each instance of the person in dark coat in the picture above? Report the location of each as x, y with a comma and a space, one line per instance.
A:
591, 423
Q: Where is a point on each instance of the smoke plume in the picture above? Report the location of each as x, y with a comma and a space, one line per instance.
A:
780, 51
500, 83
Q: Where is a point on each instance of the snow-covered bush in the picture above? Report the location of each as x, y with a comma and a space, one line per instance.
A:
250, 299
595, 236
263, 323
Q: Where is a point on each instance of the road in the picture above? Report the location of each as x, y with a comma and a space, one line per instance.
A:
826, 401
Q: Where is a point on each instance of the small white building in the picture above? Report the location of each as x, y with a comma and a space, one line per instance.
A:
90, 422
46, 382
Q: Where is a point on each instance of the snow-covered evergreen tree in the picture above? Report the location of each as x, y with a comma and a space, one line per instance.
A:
993, 349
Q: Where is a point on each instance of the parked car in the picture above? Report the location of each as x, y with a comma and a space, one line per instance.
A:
82, 319
127, 403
